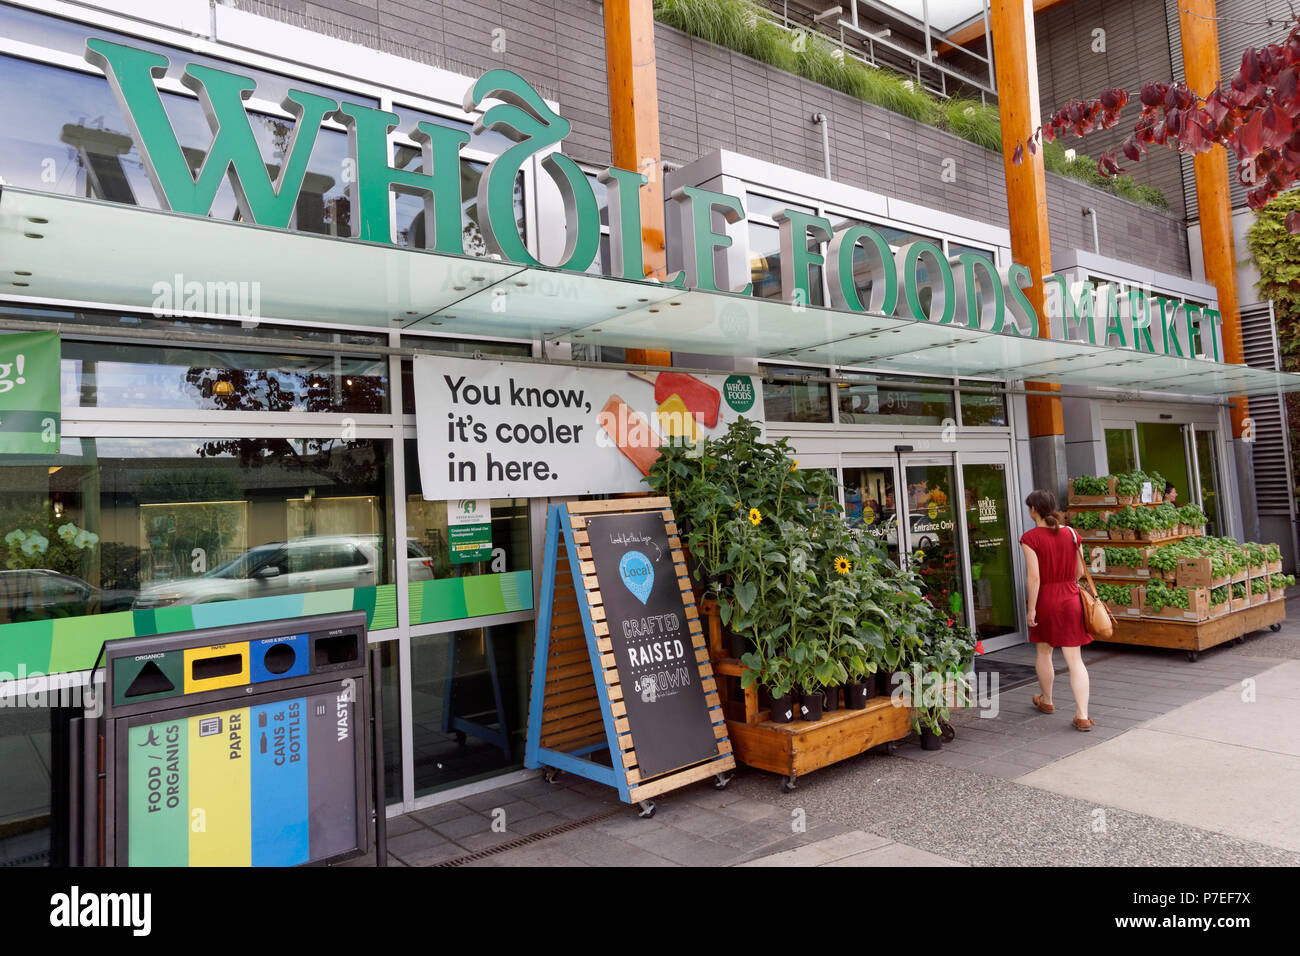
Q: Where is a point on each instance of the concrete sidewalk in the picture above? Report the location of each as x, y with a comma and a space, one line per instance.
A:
1191, 764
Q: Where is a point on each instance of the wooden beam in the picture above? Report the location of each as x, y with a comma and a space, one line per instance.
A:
634, 129
975, 31
1200, 36
1012, 23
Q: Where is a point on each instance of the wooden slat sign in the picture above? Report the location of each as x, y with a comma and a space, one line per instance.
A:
614, 585
667, 713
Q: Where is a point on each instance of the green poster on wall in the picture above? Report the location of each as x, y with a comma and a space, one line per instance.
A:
29, 393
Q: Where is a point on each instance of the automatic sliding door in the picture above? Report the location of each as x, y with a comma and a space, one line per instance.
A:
932, 539
870, 503
988, 531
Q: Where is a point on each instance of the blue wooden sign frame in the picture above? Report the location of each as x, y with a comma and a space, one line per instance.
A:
560, 523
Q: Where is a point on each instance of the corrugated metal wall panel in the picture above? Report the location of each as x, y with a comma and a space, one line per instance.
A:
1273, 487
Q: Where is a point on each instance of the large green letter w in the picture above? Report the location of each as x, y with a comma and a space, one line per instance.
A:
234, 148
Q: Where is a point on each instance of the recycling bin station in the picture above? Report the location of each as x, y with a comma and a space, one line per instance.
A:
244, 745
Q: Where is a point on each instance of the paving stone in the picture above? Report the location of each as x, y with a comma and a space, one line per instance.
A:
463, 826
440, 813
396, 826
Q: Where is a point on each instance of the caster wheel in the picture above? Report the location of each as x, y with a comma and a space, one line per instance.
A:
1192, 656
647, 809
552, 774
949, 732
890, 747
460, 738
721, 781
1275, 628
1239, 640
787, 785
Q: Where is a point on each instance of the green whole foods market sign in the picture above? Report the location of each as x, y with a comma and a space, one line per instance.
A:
29, 393
916, 281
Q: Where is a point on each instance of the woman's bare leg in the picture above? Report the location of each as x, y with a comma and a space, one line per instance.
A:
1046, 671
1078, 680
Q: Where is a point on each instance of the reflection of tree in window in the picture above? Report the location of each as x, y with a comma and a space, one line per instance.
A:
283, 390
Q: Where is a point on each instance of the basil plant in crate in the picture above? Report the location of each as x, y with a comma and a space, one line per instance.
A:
939, 678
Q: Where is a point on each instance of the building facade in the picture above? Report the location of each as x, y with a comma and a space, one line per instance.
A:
239, 418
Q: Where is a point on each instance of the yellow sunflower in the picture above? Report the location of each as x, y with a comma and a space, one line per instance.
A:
842, 565
755, 516
794, 464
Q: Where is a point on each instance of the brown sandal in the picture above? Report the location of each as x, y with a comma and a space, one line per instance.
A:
1084, 723
1045, 708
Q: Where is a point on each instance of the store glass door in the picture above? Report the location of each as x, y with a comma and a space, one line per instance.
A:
1204, 442
994, 603
933, 541
870, 503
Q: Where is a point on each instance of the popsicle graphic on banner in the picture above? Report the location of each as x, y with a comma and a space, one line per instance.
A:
490, 429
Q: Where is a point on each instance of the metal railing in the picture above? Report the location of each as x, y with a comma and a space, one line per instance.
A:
868, 43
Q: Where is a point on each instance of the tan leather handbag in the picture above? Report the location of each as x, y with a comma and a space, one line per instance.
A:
1097, 619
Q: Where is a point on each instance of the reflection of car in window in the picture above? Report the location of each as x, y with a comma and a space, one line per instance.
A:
37, 593
315, 563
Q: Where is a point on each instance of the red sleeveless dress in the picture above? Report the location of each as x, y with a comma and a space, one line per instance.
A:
1060, 609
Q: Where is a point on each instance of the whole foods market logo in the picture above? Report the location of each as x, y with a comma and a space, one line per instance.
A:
739, 392
966, 290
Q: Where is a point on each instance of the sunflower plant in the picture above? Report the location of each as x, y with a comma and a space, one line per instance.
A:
818, 603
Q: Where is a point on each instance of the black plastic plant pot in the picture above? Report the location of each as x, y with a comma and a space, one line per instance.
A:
930, 740
858, 692
811, 708
736, 645
831, 696
884, 683
782, 709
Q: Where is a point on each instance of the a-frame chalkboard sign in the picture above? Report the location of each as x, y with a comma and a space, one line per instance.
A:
621, 663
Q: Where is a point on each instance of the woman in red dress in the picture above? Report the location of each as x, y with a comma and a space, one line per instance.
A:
1053, 566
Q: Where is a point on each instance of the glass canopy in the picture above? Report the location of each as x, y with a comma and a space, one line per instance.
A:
87, 253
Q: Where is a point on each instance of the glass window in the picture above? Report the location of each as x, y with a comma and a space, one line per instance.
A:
488, 141
257, 333
876, 399
114, 524
982, 408
391, 690
106, 375
66, 134
756, 204
862, 269
507, 547
469, 702
467, 346
68, 36
796, 401
25, 811
408, 221
765, 264
1121, 456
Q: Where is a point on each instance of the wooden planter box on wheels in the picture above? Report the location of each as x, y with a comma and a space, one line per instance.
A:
800, 746
1194, 637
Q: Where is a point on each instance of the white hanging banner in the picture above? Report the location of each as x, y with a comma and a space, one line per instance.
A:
510, 430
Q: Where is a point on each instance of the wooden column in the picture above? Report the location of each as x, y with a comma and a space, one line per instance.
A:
1200, 35
634, 128
1016, 63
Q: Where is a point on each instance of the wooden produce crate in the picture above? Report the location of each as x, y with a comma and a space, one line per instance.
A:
800, 746
1195, 573
1118, 572
1196, 637
1198, 607
1107, 499
1238, 604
